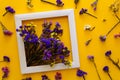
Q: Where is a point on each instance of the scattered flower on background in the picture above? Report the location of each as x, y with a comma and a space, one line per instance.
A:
76, 2
9, 9
81, 73
106, 69
58, 3
117, 35
46, 49
5, 30
103, 37
91, 58
29, 3
5, 71
108, 54
58, 76
88, 42
115, 6
89, 28
45, 77
5, 59
84, 11
94, 5
28, 78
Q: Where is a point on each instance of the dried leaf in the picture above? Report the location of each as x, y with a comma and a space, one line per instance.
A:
76, 2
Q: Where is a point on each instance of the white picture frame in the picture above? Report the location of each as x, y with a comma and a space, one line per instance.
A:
49, 14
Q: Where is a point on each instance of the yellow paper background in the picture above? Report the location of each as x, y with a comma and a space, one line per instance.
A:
8, 45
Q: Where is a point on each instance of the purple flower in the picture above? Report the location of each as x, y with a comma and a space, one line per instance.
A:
5, 71
58, 76
9, 9
94, 5
62, 57
103, 38
106, 68
82, 11
58, 24
59, 3
90, 57
45, 77
81, 73
6, 58
108, 53
7, 32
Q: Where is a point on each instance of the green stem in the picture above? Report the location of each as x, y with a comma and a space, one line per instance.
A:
97, 70
116, 64
109, 76
91, 15
112, 28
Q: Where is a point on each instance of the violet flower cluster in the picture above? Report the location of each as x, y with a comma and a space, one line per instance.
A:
46, 49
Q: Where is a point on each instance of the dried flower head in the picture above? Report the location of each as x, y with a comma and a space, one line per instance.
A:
91, 58
29, 3
45, 77
76, 2
115, 6
58, 3
81, 73
5, 30
117, 35
108, 53
85, 11
103, 38
6, 59
94, 5
58, 76
9, 9
106, 68
5, 71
